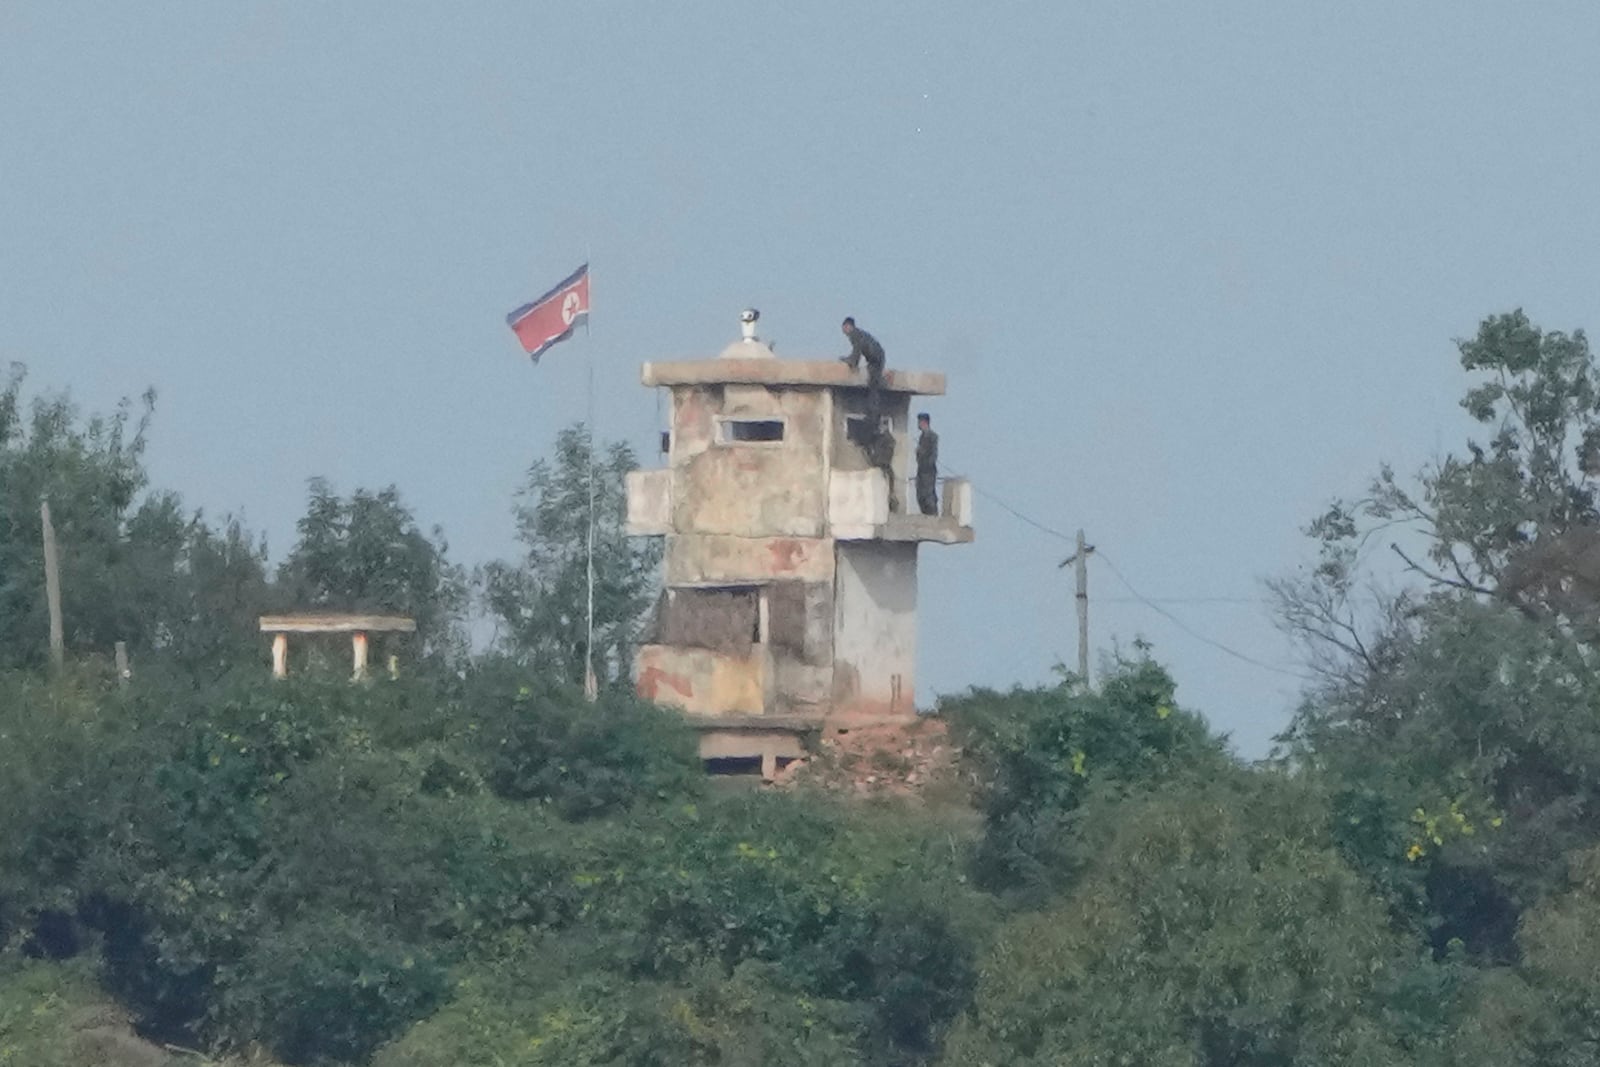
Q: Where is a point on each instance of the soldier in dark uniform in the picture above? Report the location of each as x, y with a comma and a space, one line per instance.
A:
880, 453
927, 465
865, 346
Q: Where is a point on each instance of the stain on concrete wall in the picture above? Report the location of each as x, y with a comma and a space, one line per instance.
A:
800, 688
703, 682
692, 413
701, 559
728, 487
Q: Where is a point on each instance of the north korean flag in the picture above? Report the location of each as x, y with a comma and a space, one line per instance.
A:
553, 316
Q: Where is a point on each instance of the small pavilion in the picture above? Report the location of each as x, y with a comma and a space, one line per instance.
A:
357, 626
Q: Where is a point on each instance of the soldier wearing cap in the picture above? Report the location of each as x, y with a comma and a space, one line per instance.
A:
927, 465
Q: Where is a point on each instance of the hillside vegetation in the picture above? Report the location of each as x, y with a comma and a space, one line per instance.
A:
472, 865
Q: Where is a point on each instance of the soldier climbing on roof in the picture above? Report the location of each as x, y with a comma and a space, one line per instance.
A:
879, 445
865, 346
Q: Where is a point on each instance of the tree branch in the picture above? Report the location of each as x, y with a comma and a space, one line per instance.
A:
1440, 579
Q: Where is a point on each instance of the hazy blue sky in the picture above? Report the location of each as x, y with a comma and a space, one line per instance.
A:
1192, 268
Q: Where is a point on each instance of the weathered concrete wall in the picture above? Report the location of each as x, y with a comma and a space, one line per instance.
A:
800, 688
749, 489
703, 682
858, 503
756, 521
693, 410
875, 629
649, 502
707, 559
800, 638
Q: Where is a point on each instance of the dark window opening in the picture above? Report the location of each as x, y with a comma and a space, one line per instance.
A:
734, 765
859, 431
666, 441
752, 429
741, 766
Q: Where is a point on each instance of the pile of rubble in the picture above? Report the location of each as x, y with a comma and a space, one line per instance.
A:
897, 759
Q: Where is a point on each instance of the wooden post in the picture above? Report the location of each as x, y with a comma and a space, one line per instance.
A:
280, 655
358, 655
52, 588
1081, 567
123, 671
1080, 559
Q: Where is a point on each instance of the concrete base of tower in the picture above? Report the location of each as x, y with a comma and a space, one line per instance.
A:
757, 741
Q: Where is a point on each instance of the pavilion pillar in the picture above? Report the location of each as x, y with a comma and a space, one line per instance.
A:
280, 655
358, 654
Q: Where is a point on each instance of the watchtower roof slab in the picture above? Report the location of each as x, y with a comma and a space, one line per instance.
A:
817, 373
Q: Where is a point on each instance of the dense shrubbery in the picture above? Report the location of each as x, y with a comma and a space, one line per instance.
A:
472, 872
1040, 753
316, 866
545, 743
473, 866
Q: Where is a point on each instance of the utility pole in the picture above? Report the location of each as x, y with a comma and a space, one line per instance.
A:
52, 588
1080, 561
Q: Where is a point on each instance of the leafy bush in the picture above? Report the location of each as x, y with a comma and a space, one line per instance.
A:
1217, 926
547, 743
749, 1018
840, 901
330, 989
42, 1008
1040, 752
51, 790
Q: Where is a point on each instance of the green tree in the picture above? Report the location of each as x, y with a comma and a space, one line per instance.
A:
365, 552
142, 571
91, 471
1038, 754
1514, 517
198, 590
1217, 926
1454, 721
540, 602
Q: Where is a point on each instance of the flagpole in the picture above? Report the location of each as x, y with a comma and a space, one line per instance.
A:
590, 684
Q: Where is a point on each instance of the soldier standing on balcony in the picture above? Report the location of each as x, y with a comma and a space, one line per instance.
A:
927, 465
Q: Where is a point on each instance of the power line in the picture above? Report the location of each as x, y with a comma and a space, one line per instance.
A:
1187, 600
1037, 525
1196, 634
1155, 604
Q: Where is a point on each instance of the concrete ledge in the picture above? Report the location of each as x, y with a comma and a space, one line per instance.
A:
844, 722
942, 529
830, 372
336, 623
757, 723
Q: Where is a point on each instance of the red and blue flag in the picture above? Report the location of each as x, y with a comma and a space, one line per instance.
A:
552, 317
